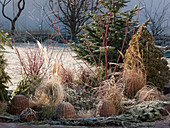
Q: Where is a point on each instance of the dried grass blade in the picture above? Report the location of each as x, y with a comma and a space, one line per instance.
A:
44, 51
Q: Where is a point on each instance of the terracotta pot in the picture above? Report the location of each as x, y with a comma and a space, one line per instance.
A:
105, 108
18, 104
28, 115
65, 110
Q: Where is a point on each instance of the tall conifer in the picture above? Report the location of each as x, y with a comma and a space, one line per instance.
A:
106, 32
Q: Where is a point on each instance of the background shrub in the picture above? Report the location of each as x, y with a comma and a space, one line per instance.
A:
4, 77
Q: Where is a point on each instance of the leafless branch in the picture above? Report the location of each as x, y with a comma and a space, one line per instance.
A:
70, 12
21, 6
158, 17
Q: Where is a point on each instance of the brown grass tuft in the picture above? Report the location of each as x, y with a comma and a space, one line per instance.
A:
134, 80
85, 114
49, 93
67, 77
114, 93
64, 75
85, 77
149, 93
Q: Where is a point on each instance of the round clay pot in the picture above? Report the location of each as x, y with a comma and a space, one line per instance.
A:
105, 108
28, 115
65, 110
18, 104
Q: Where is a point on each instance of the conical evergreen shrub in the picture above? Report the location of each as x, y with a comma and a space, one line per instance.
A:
142, 48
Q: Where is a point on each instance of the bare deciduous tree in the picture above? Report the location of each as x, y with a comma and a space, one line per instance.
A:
20, 6
158, 16
70, 12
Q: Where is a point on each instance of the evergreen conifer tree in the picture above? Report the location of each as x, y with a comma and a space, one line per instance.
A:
143, 49
4, 77
105, 33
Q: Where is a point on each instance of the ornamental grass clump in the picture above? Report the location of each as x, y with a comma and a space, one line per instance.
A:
149, 93
65, 75
114, 93
35, 65
49, 94
86, 79
134, 74
134, 80
85, 113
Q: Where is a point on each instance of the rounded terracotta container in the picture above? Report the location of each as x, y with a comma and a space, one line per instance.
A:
105, 108
65, 110
28, 115
18, 104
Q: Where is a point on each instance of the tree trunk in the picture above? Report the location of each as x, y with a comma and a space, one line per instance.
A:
12, 27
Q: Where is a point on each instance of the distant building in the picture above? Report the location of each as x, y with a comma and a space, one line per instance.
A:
33, 18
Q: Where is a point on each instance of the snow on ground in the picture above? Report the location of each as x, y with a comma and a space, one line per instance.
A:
14, 68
